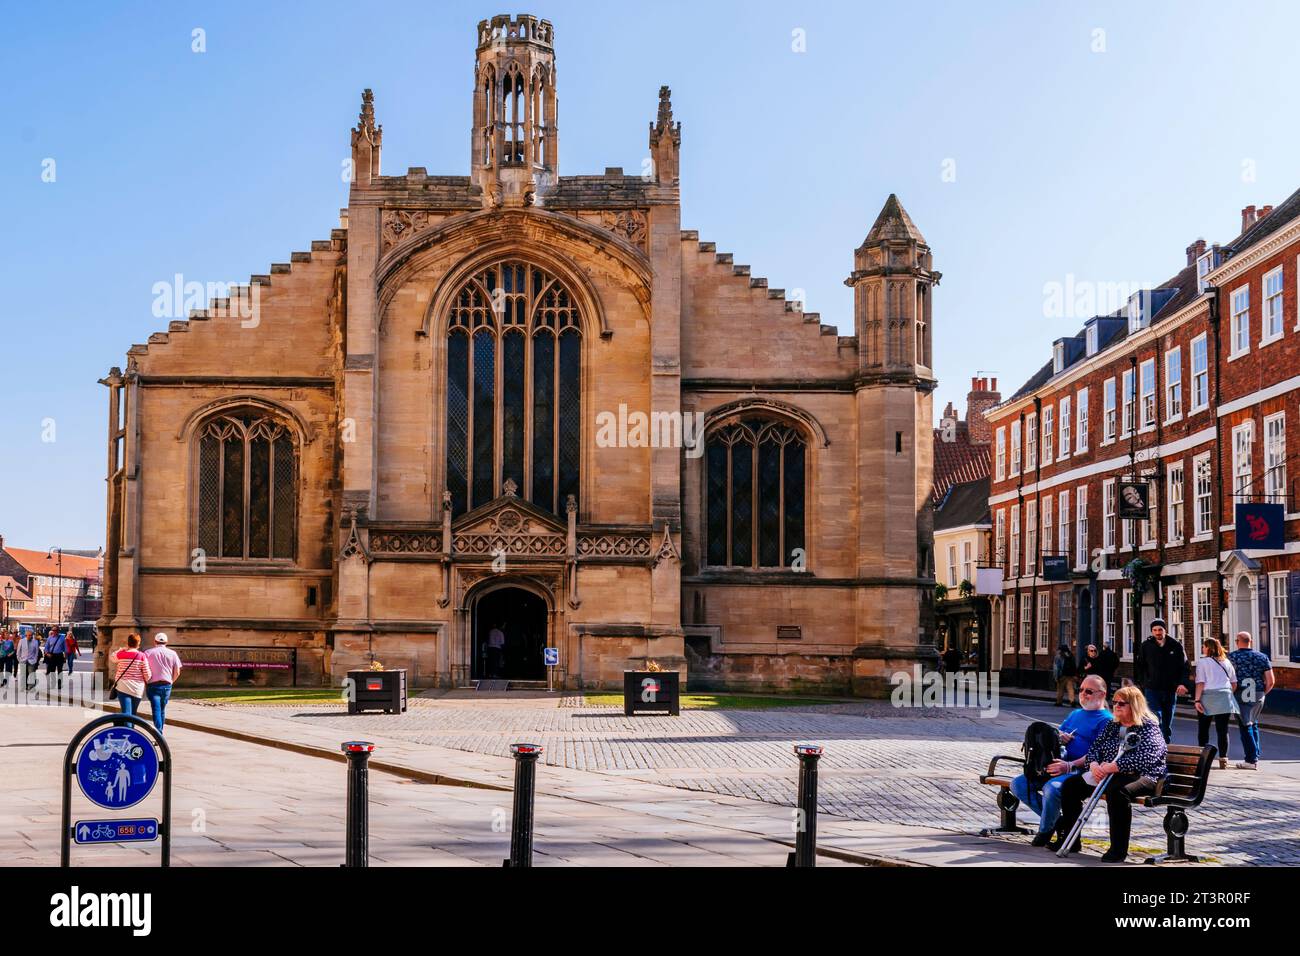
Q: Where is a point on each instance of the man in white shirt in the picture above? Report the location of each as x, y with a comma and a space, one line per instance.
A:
164, 669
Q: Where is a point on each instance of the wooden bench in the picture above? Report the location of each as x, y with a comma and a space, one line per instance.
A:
1181, 789
1007, 802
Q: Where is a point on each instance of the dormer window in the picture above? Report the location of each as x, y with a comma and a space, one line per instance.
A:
1204, 264
1058, 358
1092, 339
1139, 306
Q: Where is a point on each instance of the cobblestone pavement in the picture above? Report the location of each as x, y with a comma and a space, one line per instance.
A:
882, 764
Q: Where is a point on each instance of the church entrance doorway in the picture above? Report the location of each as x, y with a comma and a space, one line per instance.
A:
509, 627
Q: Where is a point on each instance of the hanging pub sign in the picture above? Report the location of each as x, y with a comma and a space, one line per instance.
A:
1133, 499
1056, 567
1260, 527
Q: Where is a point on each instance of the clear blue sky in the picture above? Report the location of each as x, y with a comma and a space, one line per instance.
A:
1104, 165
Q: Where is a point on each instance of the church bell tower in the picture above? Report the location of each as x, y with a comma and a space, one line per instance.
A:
514, 154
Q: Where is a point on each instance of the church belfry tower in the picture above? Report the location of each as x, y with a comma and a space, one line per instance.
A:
893, 278
514, 155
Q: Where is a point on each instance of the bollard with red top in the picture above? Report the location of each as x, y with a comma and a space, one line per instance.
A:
357, 839
521, 825
805, 839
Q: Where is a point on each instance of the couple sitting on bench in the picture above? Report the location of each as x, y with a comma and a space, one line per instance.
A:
1136, 771
1079, 729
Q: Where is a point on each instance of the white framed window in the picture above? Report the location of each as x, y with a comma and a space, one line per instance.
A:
1108, 518
1174, 497
1001, 459
1065, 428
1015, 541
1031, 442
1275, 458
1108, 619
952, 565
1049, 506
1058, 358
1081, 527
1148, 375
1204, 615
1279, 615
1203, 476
1000, 541
1147, 526
1010, 623
1015, 448
1130, 401
1271, 324
1049, 433
1092, 340
1108, 411
1174, 612
1243, 445
1203, 265
1200, 373
1081, 437
1031, 536
1174, 384
1026, 620
967, 562
1126, 600
1044, 609
1240, 340
1063, 519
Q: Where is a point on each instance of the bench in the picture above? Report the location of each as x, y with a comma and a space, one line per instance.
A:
1007, 802
1182, 789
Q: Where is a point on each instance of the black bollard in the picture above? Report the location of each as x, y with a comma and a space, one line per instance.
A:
358, 832
805, 839
521, 825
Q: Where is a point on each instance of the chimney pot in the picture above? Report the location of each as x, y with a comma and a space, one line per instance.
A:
1263, 211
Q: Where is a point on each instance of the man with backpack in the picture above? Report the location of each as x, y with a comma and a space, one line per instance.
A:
1039, 787
1064, 670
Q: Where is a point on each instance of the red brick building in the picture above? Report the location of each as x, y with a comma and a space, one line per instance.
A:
55, 588
1188, 393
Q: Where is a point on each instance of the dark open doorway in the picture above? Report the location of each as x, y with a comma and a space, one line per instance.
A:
515, 653
1084, 629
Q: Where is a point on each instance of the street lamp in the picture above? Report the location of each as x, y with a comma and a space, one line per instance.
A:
9, 596
58, 607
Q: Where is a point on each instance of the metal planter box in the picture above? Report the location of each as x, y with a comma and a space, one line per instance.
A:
651, 692
377, 691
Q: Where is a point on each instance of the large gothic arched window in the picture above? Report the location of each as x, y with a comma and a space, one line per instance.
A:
755, 494
247, 486
514, 369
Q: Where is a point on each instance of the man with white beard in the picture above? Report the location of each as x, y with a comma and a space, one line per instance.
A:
1079, 729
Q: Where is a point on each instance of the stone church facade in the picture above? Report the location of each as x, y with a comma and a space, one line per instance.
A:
530, 403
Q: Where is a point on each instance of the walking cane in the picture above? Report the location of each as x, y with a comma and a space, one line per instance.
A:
1130, 740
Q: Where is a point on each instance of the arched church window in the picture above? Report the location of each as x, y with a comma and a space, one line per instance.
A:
514, 373
755, 494
247, 486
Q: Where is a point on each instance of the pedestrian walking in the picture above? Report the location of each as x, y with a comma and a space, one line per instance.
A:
131, 675
8, 659
56, 649
1065, 671
29, 659
1254, 681
73, 651
1161, 671
1102, 662
164, 669
1216, 685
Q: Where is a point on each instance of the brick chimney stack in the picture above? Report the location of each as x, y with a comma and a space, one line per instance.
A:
1195, 251
1248, 218
1263, 211
983, 395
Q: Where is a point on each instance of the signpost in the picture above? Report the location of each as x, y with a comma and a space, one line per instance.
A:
551, 658
116, 761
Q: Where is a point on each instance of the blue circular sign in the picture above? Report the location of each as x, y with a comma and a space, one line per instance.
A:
117, 767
